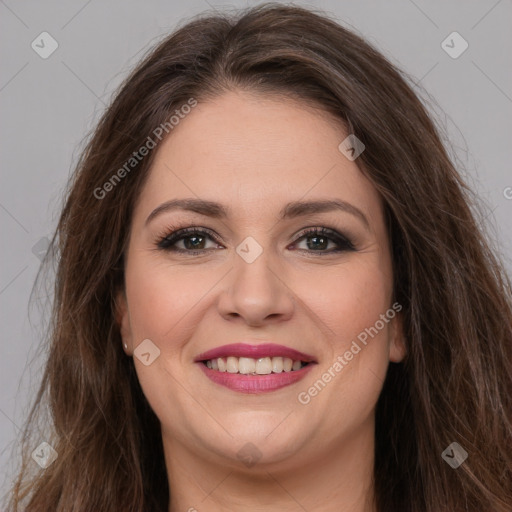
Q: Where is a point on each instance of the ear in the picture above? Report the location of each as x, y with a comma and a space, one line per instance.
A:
122, 316
397, 348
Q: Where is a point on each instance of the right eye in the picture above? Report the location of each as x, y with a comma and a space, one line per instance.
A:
193, 240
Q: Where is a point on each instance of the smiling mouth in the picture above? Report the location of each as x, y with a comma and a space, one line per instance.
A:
255, 367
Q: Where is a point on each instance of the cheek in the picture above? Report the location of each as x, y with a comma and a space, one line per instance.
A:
163, 298
350, 302
165, 307
347, 300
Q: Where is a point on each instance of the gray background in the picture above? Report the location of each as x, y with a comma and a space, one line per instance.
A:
49, 105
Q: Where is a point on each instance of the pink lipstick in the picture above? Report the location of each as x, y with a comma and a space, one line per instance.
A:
255, 368
255, 351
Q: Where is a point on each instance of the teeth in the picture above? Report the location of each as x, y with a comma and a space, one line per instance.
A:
250, 366
296, 365
232, 365
277, 364
264, 366
246, 365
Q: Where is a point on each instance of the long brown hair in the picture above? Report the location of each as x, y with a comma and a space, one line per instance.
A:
455, 384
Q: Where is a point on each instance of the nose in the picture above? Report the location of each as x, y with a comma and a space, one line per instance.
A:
256, 293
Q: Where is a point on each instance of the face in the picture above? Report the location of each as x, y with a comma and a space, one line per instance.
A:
270, 270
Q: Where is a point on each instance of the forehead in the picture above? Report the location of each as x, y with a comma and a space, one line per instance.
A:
248, 150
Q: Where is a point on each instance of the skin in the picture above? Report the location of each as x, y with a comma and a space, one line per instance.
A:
254, 154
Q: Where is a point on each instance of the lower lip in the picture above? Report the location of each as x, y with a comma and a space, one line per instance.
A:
255, 383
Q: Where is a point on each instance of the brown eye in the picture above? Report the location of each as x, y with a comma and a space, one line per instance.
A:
194, 241
320, 239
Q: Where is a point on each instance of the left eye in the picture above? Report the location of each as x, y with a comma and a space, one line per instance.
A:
318, 239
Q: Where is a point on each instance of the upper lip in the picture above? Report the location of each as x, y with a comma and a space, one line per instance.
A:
255, 352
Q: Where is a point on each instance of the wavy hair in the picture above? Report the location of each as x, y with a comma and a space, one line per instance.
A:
455, 383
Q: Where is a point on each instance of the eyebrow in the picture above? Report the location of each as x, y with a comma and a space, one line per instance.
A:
291, 210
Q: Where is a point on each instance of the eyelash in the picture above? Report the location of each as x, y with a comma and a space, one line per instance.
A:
166, 242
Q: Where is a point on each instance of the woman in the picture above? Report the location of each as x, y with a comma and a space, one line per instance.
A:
271, 292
